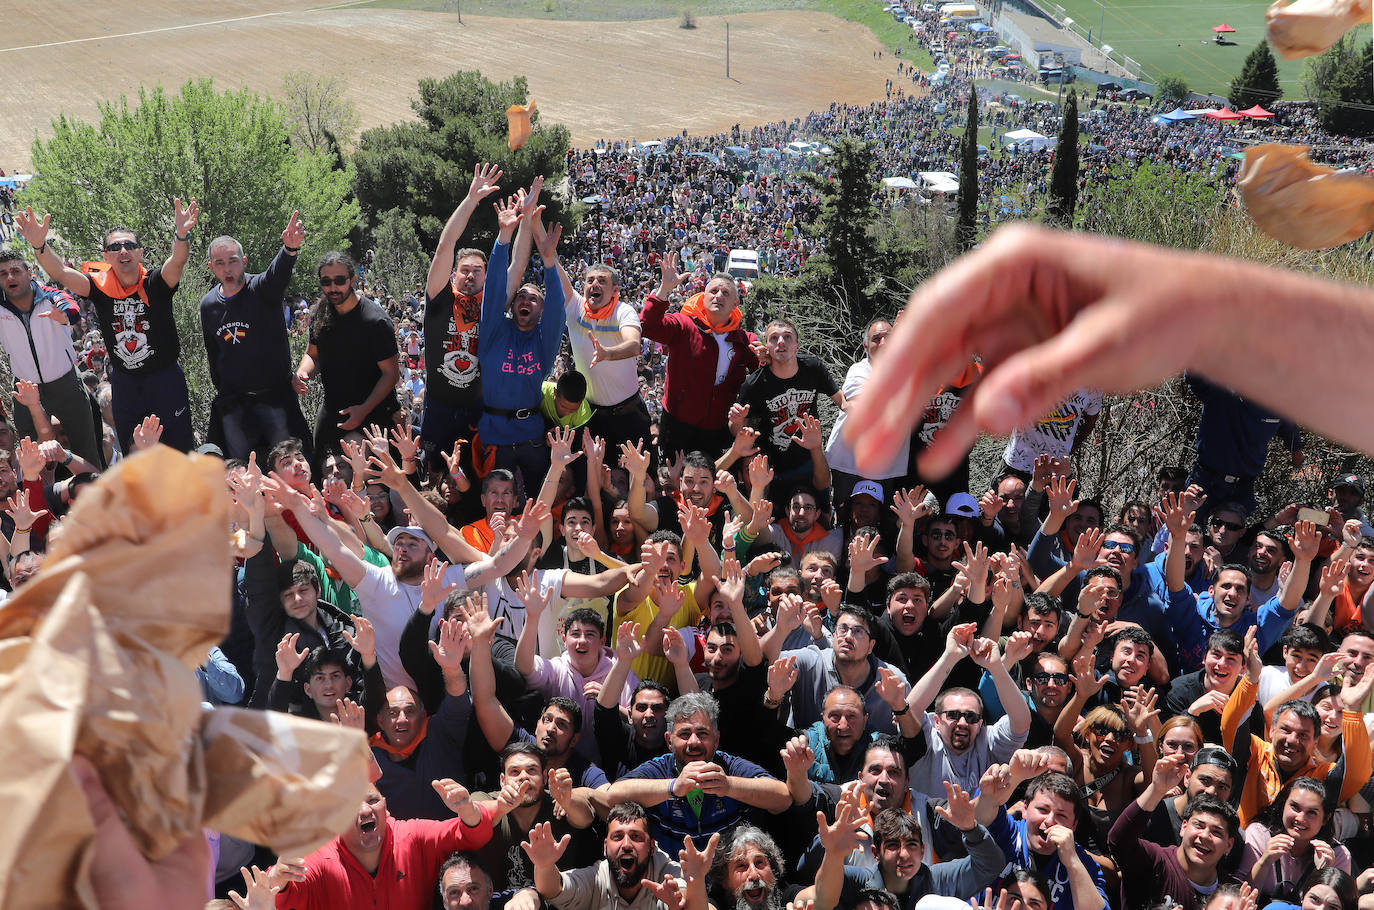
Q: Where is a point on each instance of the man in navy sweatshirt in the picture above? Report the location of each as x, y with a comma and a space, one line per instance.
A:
255, 405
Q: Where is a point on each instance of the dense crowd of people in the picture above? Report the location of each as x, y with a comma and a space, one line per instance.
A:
711, 659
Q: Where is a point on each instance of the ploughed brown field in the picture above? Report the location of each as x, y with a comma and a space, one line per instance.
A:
613, 80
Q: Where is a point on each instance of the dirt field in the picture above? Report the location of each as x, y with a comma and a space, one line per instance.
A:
603, 80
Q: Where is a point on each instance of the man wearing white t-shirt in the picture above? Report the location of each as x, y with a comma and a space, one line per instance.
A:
387, 595
1057, 434
843, 469
604, 333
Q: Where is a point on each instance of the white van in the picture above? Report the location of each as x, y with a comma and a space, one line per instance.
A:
743, 264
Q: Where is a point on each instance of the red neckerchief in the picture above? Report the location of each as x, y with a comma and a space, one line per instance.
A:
716, 500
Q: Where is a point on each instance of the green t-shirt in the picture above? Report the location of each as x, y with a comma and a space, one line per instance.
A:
550, 411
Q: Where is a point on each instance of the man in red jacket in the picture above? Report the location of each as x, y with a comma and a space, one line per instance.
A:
709, 356
382, 862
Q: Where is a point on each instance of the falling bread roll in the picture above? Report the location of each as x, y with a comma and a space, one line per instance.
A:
518, 117
1304, 204
1308, 27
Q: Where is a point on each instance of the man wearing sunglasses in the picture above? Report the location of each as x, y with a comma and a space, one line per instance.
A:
133, 305
1225, 528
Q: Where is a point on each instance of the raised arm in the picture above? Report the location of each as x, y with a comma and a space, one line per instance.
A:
493, 720
958, 644
484, 180
350, 567
183, 221
444, 535
35, 231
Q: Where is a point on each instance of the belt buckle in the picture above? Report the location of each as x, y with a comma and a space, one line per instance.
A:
524, 413
1231, 478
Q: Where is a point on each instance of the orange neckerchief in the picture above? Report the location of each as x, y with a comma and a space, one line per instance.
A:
467, 310
479, 534
716, 501
816, 533
863, 799
379, 741
695, 307
102, 275
605, 311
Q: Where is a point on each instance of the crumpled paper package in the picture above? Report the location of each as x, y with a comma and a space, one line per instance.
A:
1301, 203
98, 655
1308, 27
518, 126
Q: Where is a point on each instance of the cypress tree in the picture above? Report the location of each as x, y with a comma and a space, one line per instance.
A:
1064, 177
1258, 82
966, 225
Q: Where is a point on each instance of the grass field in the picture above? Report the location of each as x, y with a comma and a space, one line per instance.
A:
1175, 36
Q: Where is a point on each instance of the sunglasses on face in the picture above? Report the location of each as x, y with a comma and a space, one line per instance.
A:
337, 281
1058, 679
1125, 546
968, 717
118, 245
1104, 731
1228, 525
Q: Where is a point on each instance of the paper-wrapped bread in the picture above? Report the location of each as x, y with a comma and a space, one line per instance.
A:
1301, 203
1308, 27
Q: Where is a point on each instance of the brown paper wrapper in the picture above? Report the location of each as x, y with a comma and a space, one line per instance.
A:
1308, 27
1301, 203
97, 657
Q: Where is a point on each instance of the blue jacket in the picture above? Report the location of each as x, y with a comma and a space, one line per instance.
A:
515, 363
1010, 835
1194, 619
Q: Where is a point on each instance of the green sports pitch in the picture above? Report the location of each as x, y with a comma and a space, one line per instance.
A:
1166, 36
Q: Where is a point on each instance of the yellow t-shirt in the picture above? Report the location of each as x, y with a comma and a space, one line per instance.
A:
652, 667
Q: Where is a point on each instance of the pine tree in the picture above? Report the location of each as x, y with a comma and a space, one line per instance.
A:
1064, 177
966, 225
1258, 82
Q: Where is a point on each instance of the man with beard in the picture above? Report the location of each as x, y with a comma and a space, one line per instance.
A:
1049, 685
941, 541
353, 350
1039, 618
603, 332
1291, 749
899, 846
748, 871
453, 308
1182, 876
523, 778
247, 348
380, 861
961, 744
560, 721
1267, 554
696, 488
628, 744
801, 533
881, 784
848, 662
1226, 605
629, 876
133, 305
697, 791
388, 595
839, 740
517, 344
35, 331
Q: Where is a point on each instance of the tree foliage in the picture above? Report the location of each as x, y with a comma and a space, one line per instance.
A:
966, 224
230, 151
1172, 89
318, 111
424, 166
848, 260
1338, 80
398, 259
1152, 203
1258, 80
1064, 177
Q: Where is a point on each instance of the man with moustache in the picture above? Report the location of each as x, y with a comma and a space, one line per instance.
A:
353, 351
381, 861
247, 348
748, 872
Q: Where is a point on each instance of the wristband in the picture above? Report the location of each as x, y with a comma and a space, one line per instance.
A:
293, 250
1146, 737
906, 709
68, 459
672, 783
181, 238
368, 517
39, 249
23, 530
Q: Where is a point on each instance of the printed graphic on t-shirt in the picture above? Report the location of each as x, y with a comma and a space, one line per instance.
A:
233, 332
786, 412
938, 413
130, 320
459, 365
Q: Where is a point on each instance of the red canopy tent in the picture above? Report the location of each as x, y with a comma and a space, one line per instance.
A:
1258, 113
1224, 114
1222, 29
